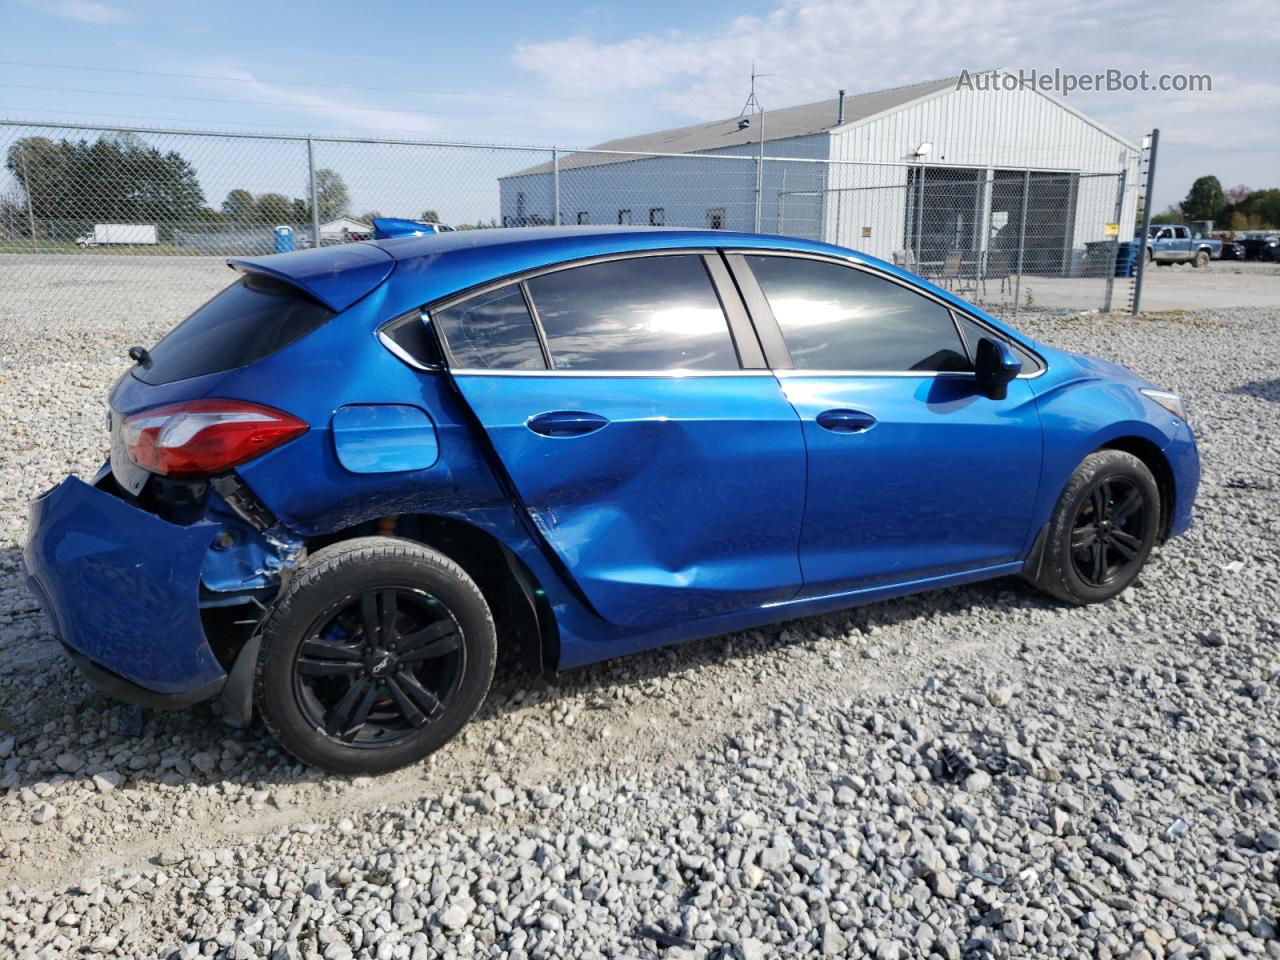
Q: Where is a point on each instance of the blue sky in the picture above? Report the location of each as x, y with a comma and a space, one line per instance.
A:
574, 74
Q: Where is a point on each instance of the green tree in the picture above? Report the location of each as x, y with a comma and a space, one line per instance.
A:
369, 216
1260, 209
1171, 214
1205, 200
239, 206
332, 198
430, 216
271, 208
111, 179
299, 211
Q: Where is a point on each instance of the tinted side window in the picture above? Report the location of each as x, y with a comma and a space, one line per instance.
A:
249, 320
973, 332
838, 318
641, 313
492, 331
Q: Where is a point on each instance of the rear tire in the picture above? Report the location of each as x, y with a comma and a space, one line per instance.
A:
376, 654
1102, 529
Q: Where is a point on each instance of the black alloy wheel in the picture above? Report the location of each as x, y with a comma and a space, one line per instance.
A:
1109, 531
376, 654
378, 665
1102, 529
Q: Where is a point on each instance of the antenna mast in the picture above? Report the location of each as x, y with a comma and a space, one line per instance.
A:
753, 106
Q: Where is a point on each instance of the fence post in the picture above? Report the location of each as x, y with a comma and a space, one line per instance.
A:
315, 206
1146, 223
1022, 242
919, 218
555, 186
26, 188
1115, 244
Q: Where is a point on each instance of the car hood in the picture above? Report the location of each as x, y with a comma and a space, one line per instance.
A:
1106, 370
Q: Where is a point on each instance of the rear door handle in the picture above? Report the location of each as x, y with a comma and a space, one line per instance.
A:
566, 423
845, 421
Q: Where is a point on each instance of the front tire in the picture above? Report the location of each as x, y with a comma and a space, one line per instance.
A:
1102, 529
376, 654
1201, 259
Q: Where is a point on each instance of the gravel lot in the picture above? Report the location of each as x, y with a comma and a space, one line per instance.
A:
975, 772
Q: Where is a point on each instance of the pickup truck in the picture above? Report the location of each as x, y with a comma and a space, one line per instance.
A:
1176, 243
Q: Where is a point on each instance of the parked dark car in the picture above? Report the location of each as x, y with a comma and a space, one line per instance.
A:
1262, 248
1232, 250
337, 488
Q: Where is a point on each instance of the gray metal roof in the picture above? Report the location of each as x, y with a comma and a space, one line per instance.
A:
808, 118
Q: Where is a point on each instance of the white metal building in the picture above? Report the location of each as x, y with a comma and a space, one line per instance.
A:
998, 165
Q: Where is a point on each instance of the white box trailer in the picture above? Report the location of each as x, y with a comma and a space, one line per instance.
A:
117, 233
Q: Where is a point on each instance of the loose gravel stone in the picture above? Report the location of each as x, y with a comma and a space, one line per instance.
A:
977, 772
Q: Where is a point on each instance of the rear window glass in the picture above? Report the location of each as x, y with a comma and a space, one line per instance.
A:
249, 320
640, 313
493, 331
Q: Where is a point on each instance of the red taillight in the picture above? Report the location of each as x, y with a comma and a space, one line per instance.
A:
205, 437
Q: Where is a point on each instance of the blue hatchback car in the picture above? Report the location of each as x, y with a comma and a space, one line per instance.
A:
337, 489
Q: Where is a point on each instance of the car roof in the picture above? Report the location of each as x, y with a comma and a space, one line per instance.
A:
414, 271
552, 242
435, 265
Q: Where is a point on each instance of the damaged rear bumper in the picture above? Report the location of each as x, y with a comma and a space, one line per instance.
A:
122, 588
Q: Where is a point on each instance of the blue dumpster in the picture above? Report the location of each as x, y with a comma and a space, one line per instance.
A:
284, 239
1097, 258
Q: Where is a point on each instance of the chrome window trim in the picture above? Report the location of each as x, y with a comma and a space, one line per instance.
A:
520, 276
902, 282
398, 351
796, 373
679, 374
714, 281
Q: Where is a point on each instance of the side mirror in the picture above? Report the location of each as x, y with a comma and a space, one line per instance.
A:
995, 365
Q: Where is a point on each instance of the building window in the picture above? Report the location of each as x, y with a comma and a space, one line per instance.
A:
657, 216
624, 216
715, 218
582, 217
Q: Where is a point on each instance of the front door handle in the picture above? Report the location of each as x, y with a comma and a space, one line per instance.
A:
845, 421
566, 423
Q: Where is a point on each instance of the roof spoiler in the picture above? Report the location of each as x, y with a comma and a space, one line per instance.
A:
385, 228
337, 276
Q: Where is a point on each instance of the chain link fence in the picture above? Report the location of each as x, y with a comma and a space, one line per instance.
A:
98, 221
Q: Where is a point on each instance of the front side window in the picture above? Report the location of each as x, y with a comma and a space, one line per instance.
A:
974, 331
492, 331
835, 317
639, 313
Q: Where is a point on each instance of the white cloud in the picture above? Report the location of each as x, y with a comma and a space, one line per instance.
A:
337, 112
814, 47
85, 11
